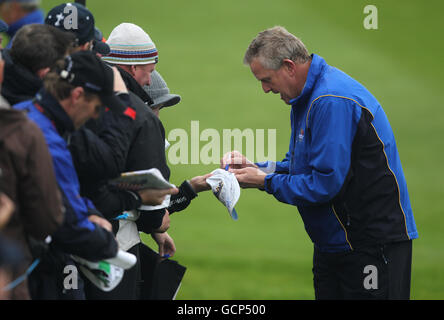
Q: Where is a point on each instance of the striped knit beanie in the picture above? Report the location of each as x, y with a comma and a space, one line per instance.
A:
130, 45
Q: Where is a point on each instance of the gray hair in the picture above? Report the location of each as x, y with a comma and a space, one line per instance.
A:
273, 45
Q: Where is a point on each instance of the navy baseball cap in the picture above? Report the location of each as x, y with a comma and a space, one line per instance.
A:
99, 45
84, 30
84, 69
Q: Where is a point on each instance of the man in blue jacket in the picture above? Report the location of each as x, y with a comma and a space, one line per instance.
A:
342, 171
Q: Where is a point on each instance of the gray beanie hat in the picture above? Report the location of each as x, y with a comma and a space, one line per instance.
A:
160, 93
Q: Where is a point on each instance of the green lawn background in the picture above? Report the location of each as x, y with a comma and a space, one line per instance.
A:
266, 254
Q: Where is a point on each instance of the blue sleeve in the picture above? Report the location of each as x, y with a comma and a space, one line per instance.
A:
275, 166
331, 124
283, 166
68, 183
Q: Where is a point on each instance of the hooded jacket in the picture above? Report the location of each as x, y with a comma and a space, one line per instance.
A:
28, 179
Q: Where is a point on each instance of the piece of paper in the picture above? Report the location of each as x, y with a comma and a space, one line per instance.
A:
143, 179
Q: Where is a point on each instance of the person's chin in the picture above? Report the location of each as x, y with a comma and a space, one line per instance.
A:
286, 100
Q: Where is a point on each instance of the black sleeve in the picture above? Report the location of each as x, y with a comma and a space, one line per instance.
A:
73, 238
182, 200
150, 220
148, 143
99, 150
112, 201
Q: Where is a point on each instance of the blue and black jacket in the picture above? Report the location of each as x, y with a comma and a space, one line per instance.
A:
77, 235
342, 169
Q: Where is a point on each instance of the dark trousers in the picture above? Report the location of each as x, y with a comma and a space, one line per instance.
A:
377, 272
127, 289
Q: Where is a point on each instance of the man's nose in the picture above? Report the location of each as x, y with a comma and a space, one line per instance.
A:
265, 87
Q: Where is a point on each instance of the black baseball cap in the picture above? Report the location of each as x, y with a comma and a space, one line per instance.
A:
84, 69
99, 45
84, 28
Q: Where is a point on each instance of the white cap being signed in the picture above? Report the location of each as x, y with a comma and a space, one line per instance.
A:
226, 188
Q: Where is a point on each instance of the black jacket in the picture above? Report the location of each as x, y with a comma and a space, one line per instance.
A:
181, 200
147, 151
144, 149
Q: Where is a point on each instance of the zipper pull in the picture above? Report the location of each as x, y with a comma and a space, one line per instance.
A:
383, 255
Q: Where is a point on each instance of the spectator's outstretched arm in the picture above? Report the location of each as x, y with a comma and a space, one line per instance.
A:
188, 190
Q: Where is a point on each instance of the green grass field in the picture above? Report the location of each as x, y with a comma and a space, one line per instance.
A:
266, 254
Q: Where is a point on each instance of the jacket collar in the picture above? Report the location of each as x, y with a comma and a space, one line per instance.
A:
54, 111
133, 86
36, 16
19, 83
316, 68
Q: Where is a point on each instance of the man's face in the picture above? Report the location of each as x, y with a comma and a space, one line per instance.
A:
142, 73
86, 109
276, 81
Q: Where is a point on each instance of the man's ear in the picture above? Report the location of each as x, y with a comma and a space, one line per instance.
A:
85, 46
290, 66
41, 73
132, 69
76, 94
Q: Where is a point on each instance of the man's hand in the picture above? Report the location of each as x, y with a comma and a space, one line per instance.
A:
250, 177
199, 183
165, 243
165, 223
154, 197
236, 160
6, 209
101, 222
